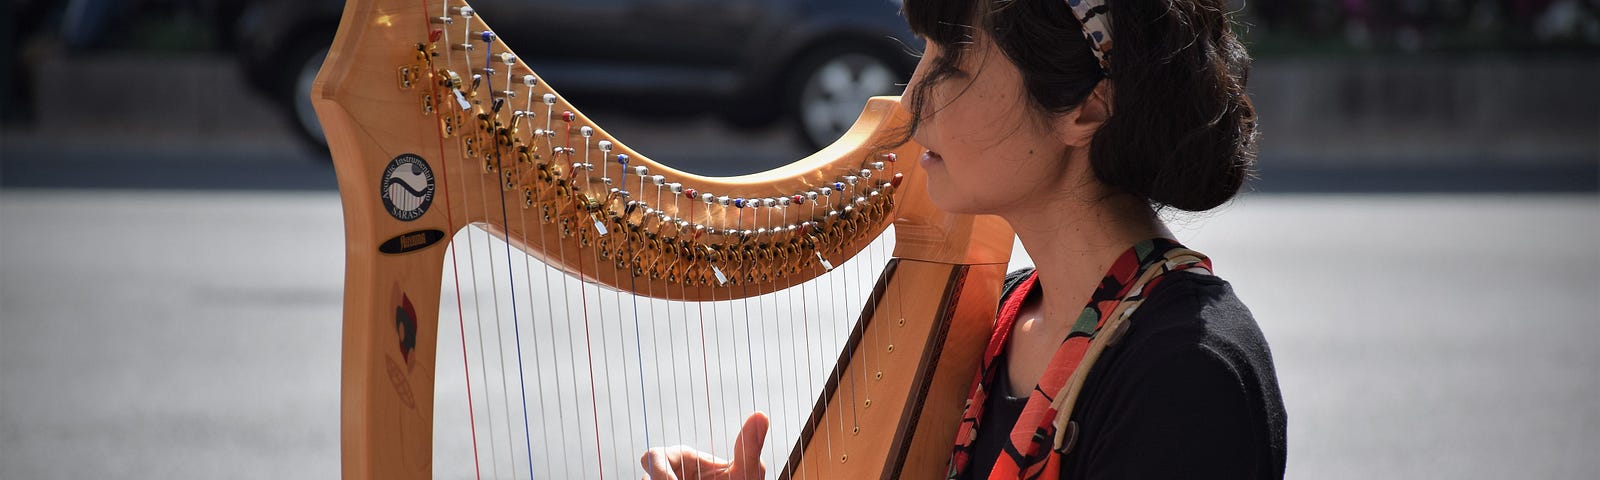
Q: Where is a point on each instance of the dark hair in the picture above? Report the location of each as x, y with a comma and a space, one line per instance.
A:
1182, 130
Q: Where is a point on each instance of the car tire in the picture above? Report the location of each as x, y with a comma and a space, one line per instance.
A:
831, 85
304, 60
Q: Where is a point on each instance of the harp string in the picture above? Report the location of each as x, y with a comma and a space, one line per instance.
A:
705, 360
527, 268
769, 327
822, 354
497, 154
483, 364
494, 291
616, 262
584, 293
688, 356
455, 270
806, 339
749, 344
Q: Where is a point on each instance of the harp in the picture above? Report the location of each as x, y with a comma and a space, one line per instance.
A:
435, 126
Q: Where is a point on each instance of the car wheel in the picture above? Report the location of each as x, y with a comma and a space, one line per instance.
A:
833, 86
305, 116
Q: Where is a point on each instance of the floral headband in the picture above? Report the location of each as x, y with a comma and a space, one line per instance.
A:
1095, 18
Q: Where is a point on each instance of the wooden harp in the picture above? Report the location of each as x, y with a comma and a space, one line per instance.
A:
435, 126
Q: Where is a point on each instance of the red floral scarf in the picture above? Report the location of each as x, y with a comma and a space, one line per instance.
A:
1046, 419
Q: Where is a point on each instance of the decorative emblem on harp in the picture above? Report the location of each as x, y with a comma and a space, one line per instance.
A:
469, 135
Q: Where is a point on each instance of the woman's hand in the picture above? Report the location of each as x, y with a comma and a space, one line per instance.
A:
684, 463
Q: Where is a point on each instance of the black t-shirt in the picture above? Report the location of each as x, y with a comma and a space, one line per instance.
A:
1190, 392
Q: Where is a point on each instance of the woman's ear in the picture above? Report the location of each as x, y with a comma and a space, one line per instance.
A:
1077, 127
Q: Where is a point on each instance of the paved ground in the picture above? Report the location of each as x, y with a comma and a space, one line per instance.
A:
170, 292
195, 334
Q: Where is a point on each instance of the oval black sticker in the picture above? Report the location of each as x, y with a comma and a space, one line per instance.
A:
411, 242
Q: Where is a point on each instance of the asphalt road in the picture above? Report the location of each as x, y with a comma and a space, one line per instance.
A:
195, 334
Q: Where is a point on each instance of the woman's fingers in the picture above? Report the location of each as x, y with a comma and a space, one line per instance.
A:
747, 449
684, 463
657, 463
681, 463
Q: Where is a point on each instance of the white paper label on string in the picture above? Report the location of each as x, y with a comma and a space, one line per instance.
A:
826, 265
462, 100
721, 279
600, 226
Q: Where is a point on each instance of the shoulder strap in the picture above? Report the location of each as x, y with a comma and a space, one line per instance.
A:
1013, 279
1115, 328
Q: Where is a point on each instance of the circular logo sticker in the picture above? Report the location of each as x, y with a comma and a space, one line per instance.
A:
407, 187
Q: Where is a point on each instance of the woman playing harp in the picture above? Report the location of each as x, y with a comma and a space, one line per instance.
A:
1028, 113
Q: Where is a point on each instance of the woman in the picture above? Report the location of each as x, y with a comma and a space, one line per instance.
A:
1028, 113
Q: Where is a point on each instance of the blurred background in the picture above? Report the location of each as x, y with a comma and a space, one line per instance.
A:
171, 245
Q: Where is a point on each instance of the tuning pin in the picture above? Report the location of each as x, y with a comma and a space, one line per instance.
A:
568, 116
605, 145
486, 36
658, 180
850, 179
890, 157
549, 99
708, 198
586, 131
689, 193
812, 196
530, 80
466, 11
877, 166
768, 202
641, 170
738, 203
784, 201
622, 159
675, 188
723, 200
866, 173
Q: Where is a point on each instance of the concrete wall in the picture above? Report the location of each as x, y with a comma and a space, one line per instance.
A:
1429, 110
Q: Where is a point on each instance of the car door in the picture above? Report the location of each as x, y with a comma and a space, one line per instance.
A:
711, 33
564, 31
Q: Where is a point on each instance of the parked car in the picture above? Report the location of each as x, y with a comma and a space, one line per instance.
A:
755, 62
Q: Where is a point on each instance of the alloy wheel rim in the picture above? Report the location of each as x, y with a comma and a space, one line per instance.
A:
835, 92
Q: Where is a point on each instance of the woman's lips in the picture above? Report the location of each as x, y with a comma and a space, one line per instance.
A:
929, 158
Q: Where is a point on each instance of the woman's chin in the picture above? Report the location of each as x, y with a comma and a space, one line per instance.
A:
940, 194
